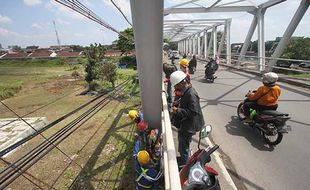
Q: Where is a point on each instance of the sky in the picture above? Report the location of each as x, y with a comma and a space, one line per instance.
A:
30, 22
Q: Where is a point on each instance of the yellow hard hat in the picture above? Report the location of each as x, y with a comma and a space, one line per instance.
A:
184, 62
133, 114
143, 157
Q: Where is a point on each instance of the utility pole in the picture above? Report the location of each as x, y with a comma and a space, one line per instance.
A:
58, 41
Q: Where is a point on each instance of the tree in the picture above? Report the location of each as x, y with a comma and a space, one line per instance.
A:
108, 72
77, 48
124, 44
16, 48
297, 48
94, 54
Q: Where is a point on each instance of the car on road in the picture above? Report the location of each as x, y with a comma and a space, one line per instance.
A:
304, 65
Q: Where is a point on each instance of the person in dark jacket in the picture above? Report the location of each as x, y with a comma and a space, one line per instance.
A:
187, 116
192, 65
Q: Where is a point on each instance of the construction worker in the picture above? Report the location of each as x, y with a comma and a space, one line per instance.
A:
148, 177
184, 63
187, 116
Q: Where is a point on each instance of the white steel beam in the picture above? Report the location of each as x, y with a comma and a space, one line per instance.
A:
198, 45
249, 9
220, 48
210, 44
261, 39
181, 4
214, 32
304, 5
148, 45
270, 3
205, 44
247, 40
233, 2
228, 45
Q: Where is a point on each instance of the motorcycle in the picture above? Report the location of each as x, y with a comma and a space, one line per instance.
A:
270, 123
210, 69
196, 174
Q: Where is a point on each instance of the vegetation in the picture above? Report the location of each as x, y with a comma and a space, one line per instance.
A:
130, 61
297, 48
9, 88
107, 71
126, 44
95, 54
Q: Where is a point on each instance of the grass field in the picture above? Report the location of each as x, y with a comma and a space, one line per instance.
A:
102, 146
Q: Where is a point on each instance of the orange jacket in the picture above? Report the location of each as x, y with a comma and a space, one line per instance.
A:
270, 99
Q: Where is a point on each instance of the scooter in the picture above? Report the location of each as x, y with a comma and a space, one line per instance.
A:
270, 123
210, 69
196, 174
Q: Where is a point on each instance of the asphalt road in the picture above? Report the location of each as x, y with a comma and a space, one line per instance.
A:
254, 164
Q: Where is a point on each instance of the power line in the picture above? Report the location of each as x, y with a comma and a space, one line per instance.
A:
119, 9
83, 10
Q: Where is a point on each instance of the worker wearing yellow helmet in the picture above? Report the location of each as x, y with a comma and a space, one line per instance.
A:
184, 67
133, 114
143, 157
147, 176
184, 64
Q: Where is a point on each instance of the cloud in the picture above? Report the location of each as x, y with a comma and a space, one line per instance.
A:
37, 26
32, 2
62, 22
3, 32
78, 35
5, 19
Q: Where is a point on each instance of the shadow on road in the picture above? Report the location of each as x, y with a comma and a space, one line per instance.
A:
245, 180
236, 127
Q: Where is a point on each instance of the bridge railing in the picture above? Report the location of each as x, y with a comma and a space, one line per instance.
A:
171, 171
285, 66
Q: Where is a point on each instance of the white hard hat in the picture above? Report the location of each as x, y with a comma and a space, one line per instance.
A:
176, 77
270, 78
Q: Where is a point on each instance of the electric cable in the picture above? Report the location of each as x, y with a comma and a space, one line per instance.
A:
119, 9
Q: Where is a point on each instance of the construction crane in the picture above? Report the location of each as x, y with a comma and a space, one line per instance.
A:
58, 41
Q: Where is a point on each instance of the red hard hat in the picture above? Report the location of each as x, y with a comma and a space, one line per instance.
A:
142, 125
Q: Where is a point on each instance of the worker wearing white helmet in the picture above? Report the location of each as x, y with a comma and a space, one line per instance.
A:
187, 116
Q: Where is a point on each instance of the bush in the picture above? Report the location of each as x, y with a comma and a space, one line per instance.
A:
75, 74
108, 72
93, 86
130, 61
9, 89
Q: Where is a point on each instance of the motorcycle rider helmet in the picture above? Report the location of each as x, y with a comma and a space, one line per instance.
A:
143, 157
176, 77
270, 78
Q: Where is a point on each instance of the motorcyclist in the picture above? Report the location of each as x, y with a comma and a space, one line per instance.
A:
192, 65
211, 67
265, 97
